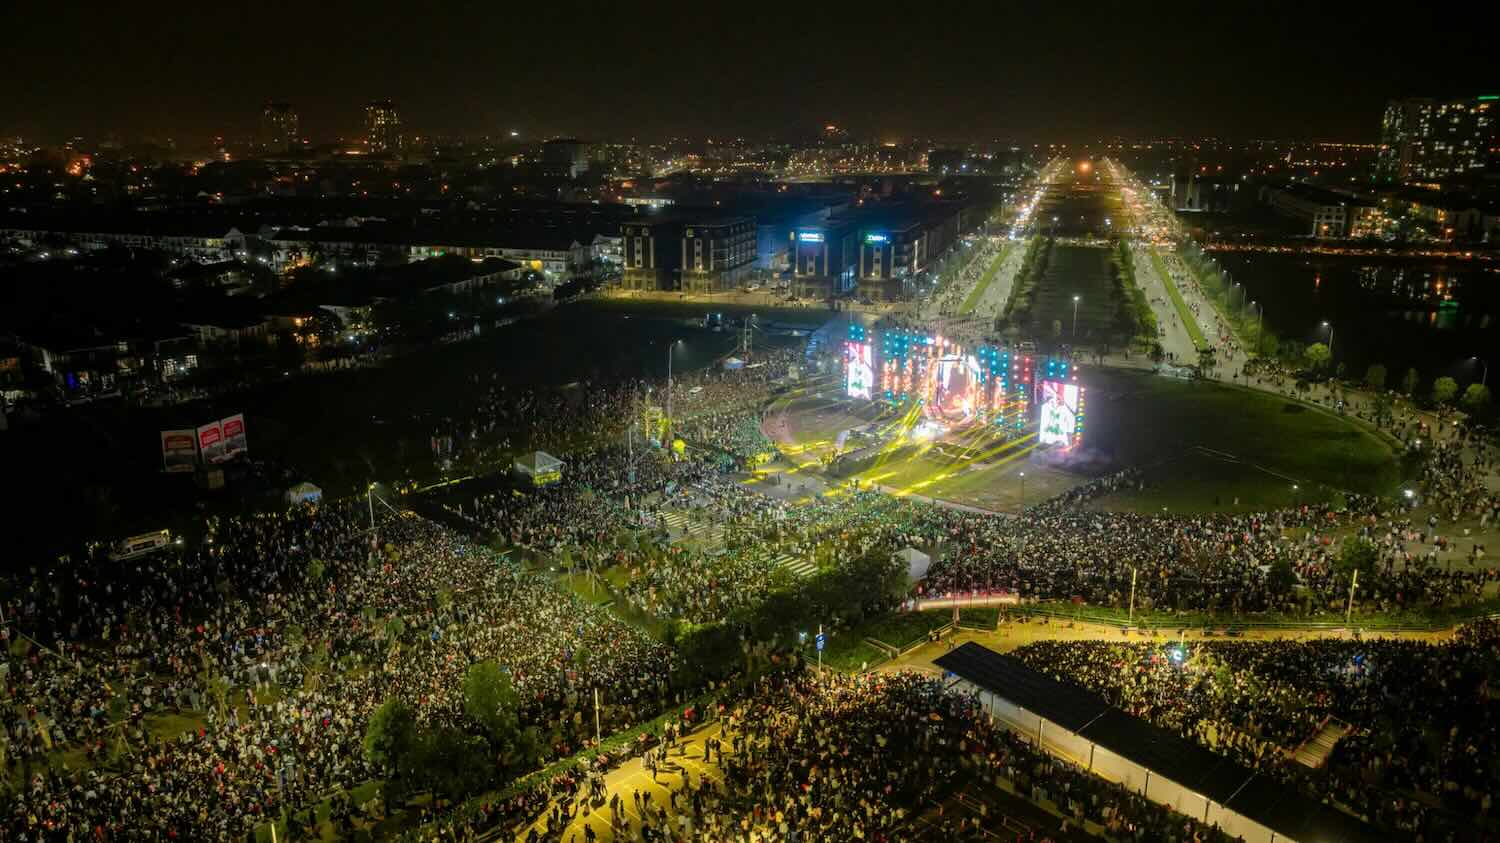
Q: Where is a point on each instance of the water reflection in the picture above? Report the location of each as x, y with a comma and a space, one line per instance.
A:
1396, 312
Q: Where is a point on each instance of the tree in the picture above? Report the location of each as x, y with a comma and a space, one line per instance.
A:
1375, 377
1382, 409
1316, 355
315, 571
452, 764
1444, 389
1205, 357
1409, 382
1281, 579
391, 736
1476, 398
1158, 353
1357, 554
394, 629
492, 702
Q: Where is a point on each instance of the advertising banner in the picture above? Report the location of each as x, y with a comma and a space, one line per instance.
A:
234, 435
211, 443
179, 452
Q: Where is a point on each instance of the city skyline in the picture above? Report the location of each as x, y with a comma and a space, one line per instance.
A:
1030, 75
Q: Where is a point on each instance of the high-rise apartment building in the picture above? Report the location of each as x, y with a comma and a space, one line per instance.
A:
1432, 140
382, 126
278, 126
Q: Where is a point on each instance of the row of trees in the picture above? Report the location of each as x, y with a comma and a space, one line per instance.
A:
1133, 315
1475, 398
1023, 289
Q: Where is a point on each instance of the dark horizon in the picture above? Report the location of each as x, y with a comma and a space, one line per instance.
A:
1255, 72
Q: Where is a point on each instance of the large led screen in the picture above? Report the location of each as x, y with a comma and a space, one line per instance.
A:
1060, 419
859, 369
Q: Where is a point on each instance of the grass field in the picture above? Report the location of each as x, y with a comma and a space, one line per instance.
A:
1203, 447
1075, 271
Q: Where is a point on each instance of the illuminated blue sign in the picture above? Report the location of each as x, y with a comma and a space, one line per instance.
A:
810, 236
876, 238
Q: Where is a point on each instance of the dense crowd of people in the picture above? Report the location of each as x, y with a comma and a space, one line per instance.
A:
275, 641
1259, 701
735, 434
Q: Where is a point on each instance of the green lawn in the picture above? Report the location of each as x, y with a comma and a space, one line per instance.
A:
905, 628
1201, 445
1080, 271
1182, 309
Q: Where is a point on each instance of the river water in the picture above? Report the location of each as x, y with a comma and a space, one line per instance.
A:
1404, 314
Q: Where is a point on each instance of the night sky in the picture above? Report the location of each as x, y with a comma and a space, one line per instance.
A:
1066, 72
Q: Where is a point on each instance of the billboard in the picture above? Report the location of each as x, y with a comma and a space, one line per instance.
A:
179, 451
859, 369
211, 442
234, 435
1061, 421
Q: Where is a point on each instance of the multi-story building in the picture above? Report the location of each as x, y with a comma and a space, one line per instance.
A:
1431, 140
382, 126
717, 254
694, 253
1329, 215
823, 258
889, 256
279, 126
652, 255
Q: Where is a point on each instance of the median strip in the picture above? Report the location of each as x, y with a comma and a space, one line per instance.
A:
977, 294
1194, 332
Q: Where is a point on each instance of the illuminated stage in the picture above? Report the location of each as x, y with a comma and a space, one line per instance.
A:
962, 393
937, 412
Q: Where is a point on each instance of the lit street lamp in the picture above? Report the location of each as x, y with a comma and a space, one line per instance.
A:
671, 346
1329, 326
1023, 490
1484, 372
1075, 315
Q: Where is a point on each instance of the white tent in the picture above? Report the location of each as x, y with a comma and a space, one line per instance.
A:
304, 493
541, 467
916, 561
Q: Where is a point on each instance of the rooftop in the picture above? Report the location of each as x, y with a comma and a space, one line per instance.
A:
1226, 782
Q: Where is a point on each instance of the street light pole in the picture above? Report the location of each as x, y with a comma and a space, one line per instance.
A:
1349, 609
1133, 571
1023, 490
671, 346
370, 499
1075, 315
1329, 326
1484, 371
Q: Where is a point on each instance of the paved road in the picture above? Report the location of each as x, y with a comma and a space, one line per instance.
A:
1175, 339
686, 763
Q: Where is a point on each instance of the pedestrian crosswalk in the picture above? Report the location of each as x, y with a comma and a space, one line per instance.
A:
1315, 752
802, 568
